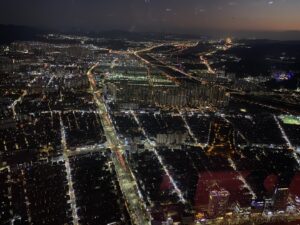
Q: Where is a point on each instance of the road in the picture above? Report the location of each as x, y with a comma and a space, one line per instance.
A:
71, 191
135, 205
171, 71
206, 63
151, 146
20, 99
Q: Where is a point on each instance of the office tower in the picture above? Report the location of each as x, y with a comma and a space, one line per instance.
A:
218, 202
280, 198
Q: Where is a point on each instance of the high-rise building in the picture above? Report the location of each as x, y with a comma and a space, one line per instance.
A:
268, 205
280, 198
218, 202
297, 201
168, 222
167, 95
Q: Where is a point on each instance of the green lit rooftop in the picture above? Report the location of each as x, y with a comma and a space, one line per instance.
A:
290, 120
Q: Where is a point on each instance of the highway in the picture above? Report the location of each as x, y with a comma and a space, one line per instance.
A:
264, 101
135, 205
171, 71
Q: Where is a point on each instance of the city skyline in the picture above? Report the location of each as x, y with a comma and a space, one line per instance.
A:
150, 112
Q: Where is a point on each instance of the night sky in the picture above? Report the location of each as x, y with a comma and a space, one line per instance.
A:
190, 16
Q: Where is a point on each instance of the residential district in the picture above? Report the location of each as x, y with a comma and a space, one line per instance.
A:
168, 131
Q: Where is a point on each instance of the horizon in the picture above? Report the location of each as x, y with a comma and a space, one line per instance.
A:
284, 35
191, 17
